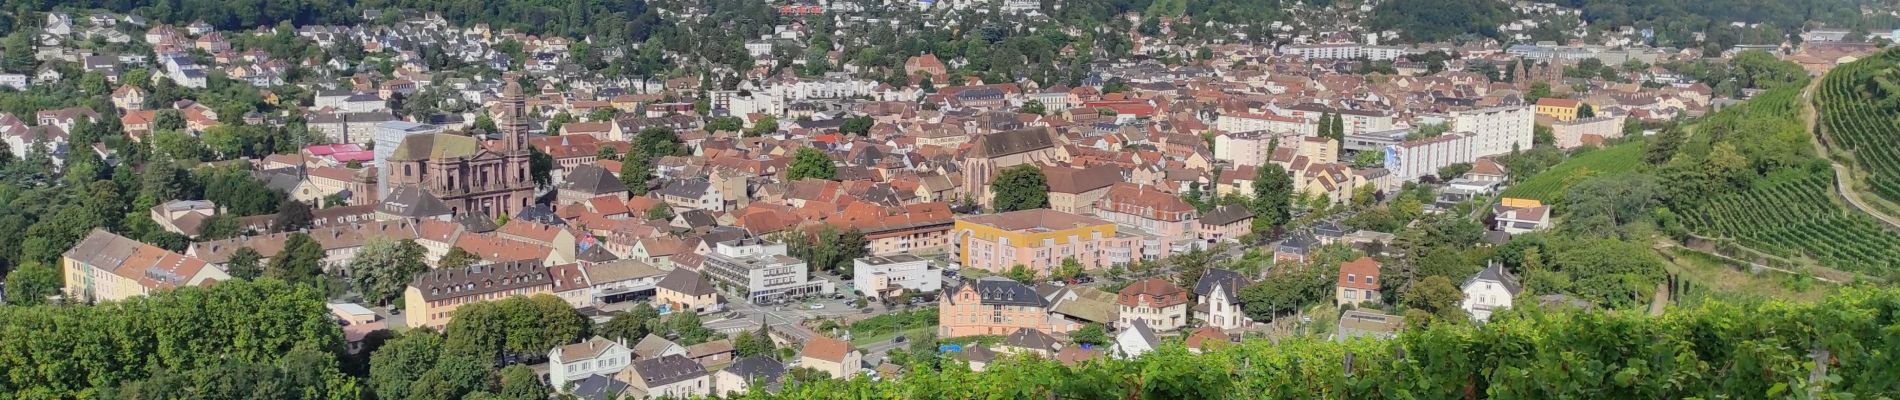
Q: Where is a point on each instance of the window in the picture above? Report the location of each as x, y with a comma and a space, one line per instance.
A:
1352, 277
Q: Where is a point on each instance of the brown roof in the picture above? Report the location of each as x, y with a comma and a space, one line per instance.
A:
825, 348
1207, 335
481, 279
1557, 102
1158, 292
1079, 180
150, 266
686, 282
1013, 142
1362, 267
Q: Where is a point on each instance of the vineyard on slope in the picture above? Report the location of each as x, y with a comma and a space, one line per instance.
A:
1860, 113
1791, 213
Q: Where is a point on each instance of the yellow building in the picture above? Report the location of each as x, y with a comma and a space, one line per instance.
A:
431, 299
1040, 239
1559, 109
109, 267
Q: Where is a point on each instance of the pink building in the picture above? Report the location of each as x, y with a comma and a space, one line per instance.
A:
990, 306
1151, 211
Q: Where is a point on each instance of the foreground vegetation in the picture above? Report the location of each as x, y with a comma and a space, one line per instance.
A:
1550, 185
269, 339
1714, 350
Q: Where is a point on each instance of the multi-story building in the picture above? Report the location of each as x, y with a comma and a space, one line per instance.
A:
596, 356
1075, 190
670, 376
1041, 239
762, 270
1147, 209
1581, 131
1341, 51
1559, 109
1496, 130
993, 306
1257, 122
1418, 158
431, 299
109, 267
1490, 290
831, 356
883, 276
683, 289
913, 229
1353, 122
1251, 148
464, 173
1163, 306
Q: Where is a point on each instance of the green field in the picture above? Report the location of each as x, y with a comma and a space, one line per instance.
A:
1550, 185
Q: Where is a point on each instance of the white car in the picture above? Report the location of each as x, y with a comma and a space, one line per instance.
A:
817, 307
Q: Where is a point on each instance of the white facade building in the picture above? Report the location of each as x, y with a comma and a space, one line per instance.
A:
1496, 130
1249, 122
762, 269
876, 276
1490, 290
1410, 160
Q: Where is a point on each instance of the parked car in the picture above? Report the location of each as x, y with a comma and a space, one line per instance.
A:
898, 339
817, 307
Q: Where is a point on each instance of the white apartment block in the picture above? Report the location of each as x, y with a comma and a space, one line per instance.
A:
1345, 51
1250, 148
1496, 130
1410, 160
761, 269
1249, 122
877, 277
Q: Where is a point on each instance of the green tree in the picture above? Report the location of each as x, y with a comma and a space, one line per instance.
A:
1033, 107
1069, 270
518, 382
1435, 295
607, 153
1368, 159
1092, 334
630, 325
859, 125
1272, 197
31, 283
383, 267
1586, 111
301, 260
540, 167
245, 263
725, 124
292, 216
1021, 273
811, 163
1538, 90
397, 365
660, 212
1021, 187
457, 258
765, 125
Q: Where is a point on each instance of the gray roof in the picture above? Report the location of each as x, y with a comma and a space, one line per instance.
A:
589, 178
1226, 214
666, 370
480, 279
410, 201
1027, 338
686, 282
1229, 281
1147, 334
993, 290
757, 368
598, 387
688, 188
1496, 273
698, 218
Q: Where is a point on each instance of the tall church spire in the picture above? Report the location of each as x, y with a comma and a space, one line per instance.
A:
514, 124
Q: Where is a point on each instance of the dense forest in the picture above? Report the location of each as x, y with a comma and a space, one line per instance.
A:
275, 341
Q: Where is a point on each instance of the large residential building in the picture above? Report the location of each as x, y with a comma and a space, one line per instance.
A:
467, 175
1160, 304
1490, 290
993, 306
1075, 190
1272, 124
1496, 130
684, 290
1041, 239
1346, 50
1418, 158
1591, 131
1172, 221
431, 299
1559, 109
596, 356
883, 276
109, 267
762, 270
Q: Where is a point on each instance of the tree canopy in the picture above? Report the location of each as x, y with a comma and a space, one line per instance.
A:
1020, 187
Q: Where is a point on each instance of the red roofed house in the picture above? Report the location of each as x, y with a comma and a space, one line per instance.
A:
108, 267
1358, 282
928, 64
1148, 209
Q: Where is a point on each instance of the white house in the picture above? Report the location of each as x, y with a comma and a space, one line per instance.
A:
1491, 289
596, 356
671, 376
1135, 340
1217, 300
1518, 216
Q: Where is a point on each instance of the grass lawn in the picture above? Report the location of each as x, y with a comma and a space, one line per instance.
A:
1722, 281
1550, 185
911, 333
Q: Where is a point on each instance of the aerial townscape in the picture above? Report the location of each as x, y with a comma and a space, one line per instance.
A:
949, 199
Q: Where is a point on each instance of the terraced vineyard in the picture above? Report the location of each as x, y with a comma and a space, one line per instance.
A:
1860, 112
1549, 185
1792, 214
